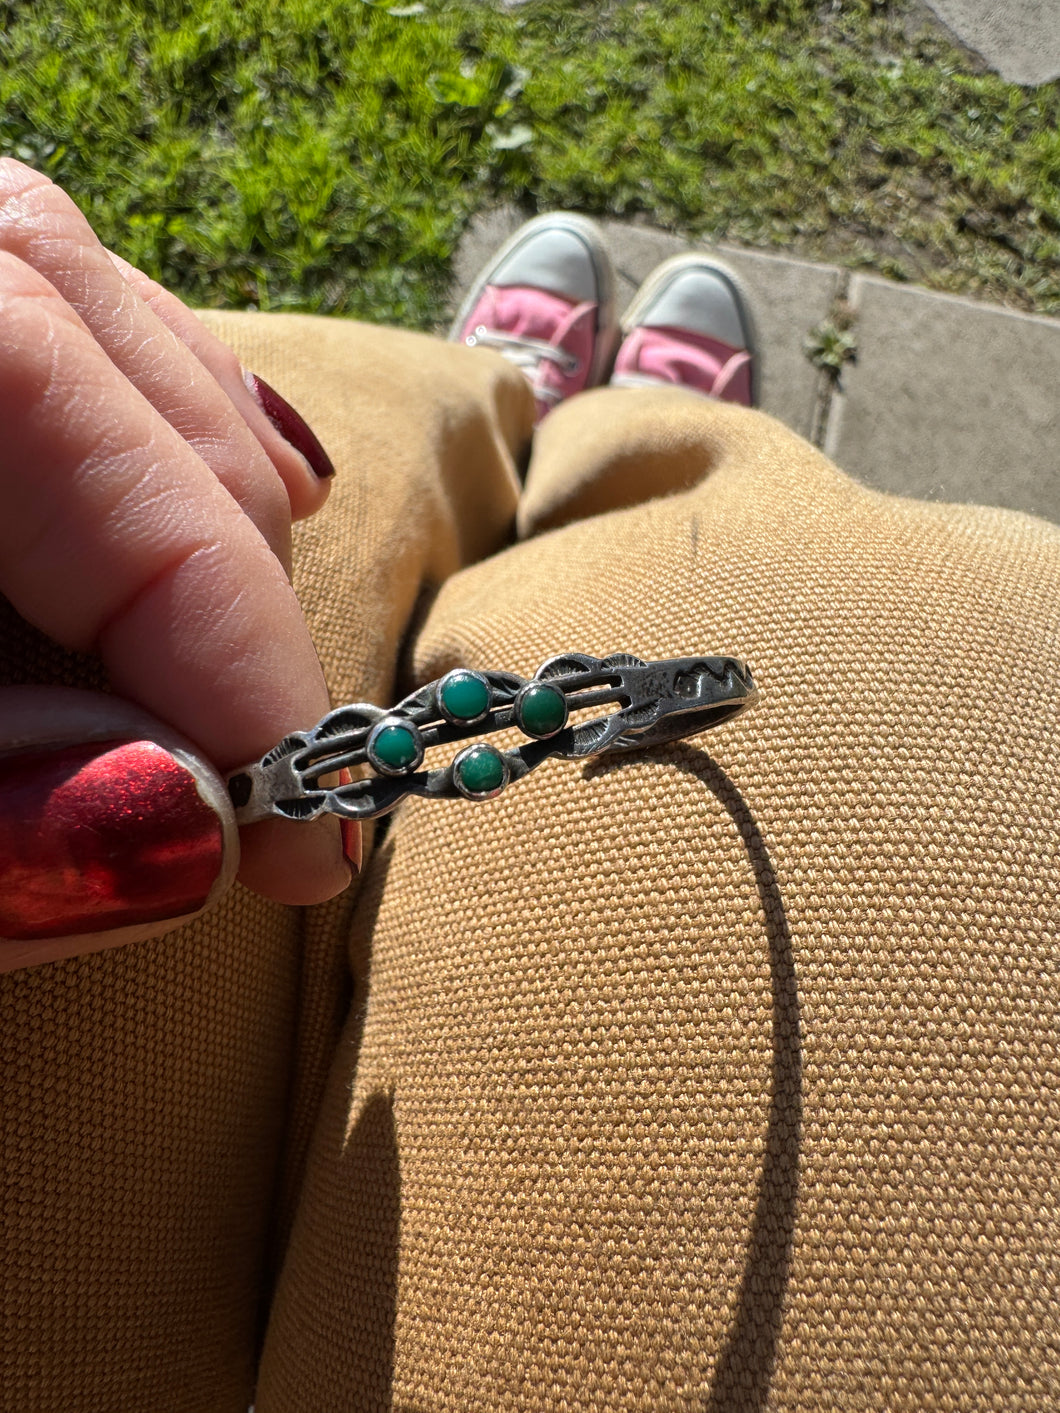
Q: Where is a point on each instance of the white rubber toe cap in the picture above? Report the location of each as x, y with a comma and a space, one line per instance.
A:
555, 258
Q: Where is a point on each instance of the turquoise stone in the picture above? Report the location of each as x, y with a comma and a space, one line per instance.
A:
542, 710
395, 746
481, 770
464, 695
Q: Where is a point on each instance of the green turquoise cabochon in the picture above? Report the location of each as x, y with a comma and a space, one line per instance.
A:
480, 771
394, 747
541, 710
463, 695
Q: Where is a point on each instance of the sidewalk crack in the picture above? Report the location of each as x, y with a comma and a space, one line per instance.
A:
829, 346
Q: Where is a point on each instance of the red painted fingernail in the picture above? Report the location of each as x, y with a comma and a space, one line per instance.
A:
290, 424
351, 843
102, 835
350, 830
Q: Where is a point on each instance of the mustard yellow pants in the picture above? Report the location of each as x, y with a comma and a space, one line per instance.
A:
721, 1077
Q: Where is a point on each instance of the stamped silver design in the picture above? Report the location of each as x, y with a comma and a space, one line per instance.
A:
657, 702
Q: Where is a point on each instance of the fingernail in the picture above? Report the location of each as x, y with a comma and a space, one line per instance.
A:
350, 830
97, 836
290, 424
351, 843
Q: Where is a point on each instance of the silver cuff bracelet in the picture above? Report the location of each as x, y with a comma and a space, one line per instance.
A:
660, 701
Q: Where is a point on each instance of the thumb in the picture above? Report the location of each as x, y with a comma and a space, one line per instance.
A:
113, 828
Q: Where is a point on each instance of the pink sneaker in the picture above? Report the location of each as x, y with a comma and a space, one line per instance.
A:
689, 325
546, 303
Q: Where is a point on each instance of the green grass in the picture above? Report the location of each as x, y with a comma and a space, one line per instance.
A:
326, 154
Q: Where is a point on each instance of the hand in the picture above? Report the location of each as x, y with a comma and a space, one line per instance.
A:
145, 508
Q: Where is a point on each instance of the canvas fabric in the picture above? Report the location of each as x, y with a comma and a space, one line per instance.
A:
719, 1076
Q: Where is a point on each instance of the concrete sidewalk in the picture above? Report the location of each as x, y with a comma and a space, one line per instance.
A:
948, 399
1019, 39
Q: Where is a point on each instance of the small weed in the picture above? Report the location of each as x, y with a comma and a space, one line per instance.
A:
830, 348
833, 344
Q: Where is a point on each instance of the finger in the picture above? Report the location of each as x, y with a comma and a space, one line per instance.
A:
41, 226
113, 829
117, 538
303, 465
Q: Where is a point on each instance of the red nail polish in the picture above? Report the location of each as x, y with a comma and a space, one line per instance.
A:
98, 836
290, 425
350, 831
351, 843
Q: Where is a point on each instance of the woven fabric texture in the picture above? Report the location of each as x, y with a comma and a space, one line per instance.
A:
724, 1076
156, 1101
720, 1076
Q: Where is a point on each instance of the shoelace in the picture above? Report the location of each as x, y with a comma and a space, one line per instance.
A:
528, 354
726, 373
